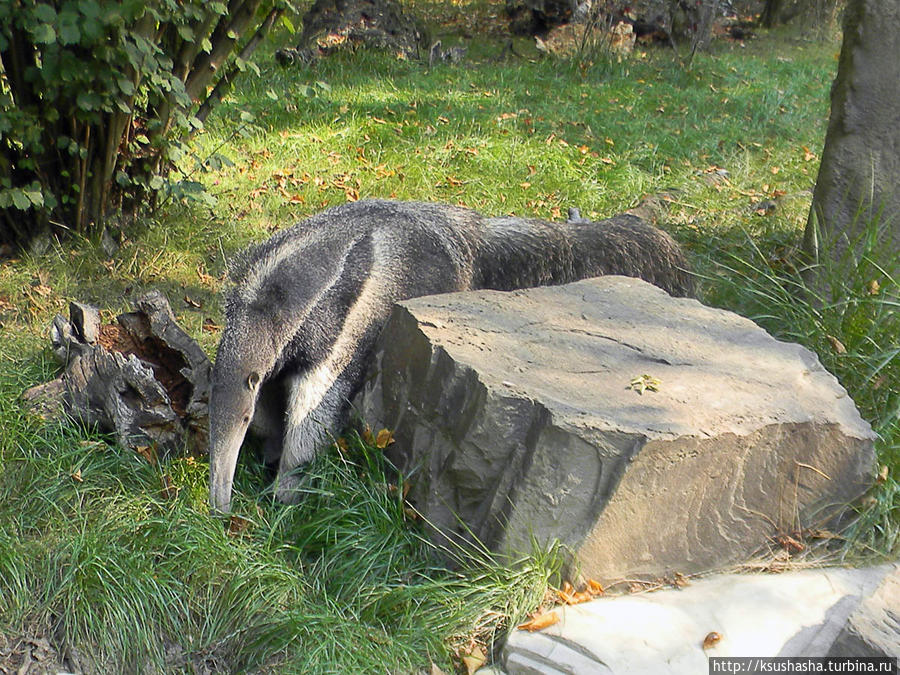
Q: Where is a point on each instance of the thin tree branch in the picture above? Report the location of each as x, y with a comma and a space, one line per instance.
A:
207, 64
223, 86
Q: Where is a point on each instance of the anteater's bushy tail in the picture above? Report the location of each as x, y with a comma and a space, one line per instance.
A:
518, 253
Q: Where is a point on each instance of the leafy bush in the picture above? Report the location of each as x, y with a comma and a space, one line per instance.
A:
97, 97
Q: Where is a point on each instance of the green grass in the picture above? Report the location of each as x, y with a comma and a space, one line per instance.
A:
345, 582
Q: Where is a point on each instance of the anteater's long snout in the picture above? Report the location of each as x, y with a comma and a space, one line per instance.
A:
222, 463
229, 418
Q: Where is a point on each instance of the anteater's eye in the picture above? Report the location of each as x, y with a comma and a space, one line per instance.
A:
253, 381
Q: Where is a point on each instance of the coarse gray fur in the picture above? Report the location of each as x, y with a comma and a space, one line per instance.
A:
306, 306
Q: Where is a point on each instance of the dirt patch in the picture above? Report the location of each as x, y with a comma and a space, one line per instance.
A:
29, 654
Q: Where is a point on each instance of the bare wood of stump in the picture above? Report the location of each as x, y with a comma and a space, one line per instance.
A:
143, 379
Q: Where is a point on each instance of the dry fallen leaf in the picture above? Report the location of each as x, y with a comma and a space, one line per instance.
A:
436, 671
594, 587
836, 345
190, 302
565, 593
210, 326
539, 622
474, 660
385, 438
237, 524
205, 278
147, 452
169, 489
873, 287
789, 544
581, 596
77, 476
711, 639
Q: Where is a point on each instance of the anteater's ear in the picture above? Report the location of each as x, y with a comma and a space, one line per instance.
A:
253, 381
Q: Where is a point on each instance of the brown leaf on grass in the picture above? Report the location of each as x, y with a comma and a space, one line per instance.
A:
169, 489
836, 345
190, 302
367, 436
539, 622
711, 640
385, 438
147, 452
474, 660
883, 474
210, 326
873, 287
205, 279
436, 671
808, 155
237, 524
41, 290
76, 476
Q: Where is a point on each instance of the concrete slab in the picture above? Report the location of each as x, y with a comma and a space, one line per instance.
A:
801, 613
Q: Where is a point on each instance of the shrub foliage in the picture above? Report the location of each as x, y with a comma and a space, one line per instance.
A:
97, 97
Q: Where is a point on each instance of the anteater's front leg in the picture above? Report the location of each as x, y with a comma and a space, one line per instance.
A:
317, 407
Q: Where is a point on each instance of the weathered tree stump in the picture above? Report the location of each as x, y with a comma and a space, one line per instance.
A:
330, 25
143, 379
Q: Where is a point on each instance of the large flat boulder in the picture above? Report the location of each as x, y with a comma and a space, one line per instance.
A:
649, 434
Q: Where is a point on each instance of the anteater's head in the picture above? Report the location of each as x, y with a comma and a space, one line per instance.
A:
244, 359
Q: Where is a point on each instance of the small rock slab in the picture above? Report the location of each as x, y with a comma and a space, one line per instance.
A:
873, 629
800, 613
532, 414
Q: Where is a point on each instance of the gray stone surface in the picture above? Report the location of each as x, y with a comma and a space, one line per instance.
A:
791, 614
513, 418
874, 627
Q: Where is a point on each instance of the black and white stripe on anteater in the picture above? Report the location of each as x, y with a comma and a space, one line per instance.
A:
306, 306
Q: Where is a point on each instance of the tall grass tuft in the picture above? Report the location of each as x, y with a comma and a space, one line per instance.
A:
120, 559
845, 308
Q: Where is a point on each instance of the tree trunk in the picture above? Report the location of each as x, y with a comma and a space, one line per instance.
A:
771, 13
859, 179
